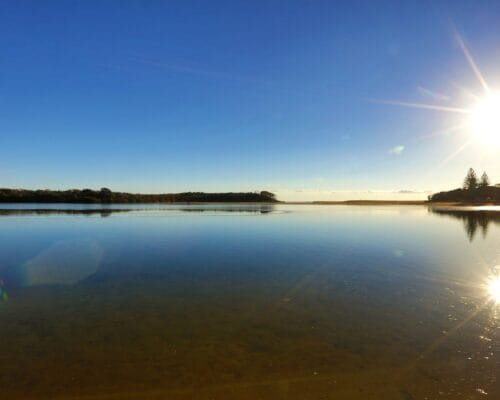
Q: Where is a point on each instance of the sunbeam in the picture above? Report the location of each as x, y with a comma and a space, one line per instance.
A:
455, 153
471, 61
423, 105
441, 132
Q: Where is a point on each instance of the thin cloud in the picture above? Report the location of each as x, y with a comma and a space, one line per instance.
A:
404, 191
193, 70
203, 72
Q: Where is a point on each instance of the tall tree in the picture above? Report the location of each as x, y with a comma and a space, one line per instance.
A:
485, 180
471, 182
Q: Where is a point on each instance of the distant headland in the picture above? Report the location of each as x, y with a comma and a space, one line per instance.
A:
474, 191
106, 196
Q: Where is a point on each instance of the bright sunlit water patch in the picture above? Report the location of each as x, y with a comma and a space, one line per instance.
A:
494, 289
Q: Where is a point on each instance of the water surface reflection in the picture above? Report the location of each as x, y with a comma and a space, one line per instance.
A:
472, 219
302, 302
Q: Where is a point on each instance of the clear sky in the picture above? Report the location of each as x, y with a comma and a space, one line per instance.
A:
165, 96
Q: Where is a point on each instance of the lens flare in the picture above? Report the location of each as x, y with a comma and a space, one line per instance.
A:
3, 294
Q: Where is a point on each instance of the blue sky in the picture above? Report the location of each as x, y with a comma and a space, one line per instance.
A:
157, 96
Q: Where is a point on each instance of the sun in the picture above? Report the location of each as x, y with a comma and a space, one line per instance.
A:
484, 120
481, 122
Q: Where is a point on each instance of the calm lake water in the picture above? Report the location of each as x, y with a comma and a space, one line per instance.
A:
249, 302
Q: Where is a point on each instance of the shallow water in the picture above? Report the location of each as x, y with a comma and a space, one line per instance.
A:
249, 302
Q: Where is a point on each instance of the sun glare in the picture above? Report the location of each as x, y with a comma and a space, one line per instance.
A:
485, 120
494, 289
482, 122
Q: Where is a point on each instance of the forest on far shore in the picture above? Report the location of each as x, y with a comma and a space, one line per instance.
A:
105, 195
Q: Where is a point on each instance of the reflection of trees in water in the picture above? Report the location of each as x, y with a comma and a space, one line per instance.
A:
472, 220
106, 212
237, 208
21, 212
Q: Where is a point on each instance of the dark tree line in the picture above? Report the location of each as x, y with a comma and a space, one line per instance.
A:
474, 190
106, 196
